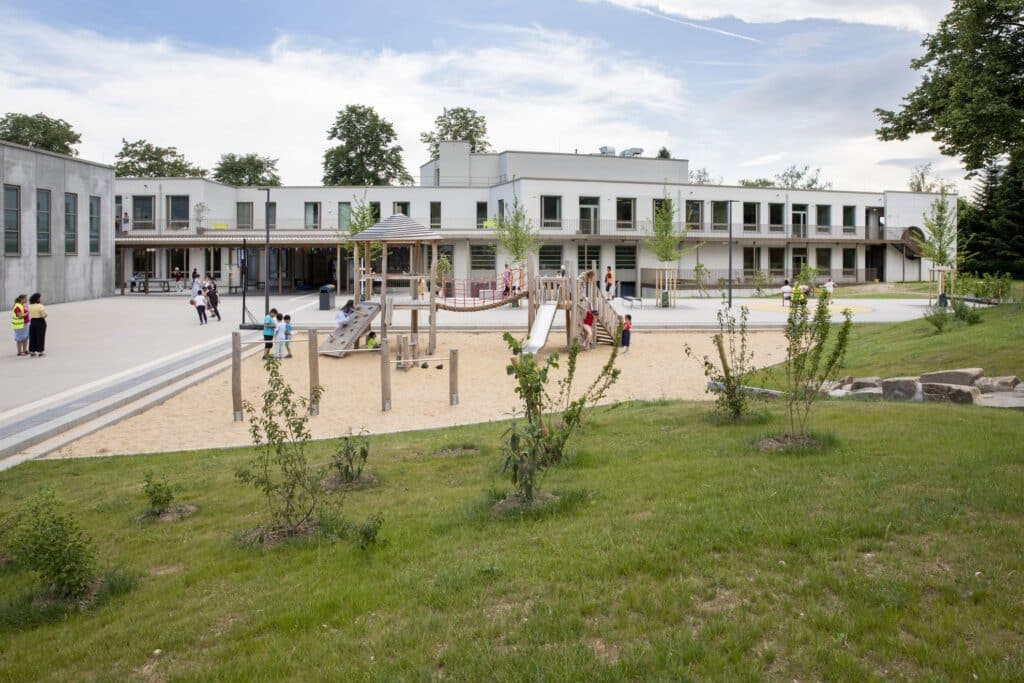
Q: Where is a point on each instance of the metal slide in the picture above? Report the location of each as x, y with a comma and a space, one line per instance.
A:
358, 326
541, 328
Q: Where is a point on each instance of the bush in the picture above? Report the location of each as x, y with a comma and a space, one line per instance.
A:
46, 539
735, 362
937, 317
159, 494
368, 533
350, 456
538, 440
965, 313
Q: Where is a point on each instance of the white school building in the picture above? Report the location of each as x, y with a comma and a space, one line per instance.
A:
588, 207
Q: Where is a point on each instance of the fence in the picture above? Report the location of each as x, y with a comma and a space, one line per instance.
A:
719, 277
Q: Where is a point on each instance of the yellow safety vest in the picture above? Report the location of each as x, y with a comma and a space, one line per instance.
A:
18, 317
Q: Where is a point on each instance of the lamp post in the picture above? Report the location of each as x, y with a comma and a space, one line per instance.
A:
266, 252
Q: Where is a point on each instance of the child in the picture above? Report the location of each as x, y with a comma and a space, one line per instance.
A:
200, 303
268, 332
344, 316
588, 330
288, 335
280, 333
829, 286
787, 294
20, 320
371, 341
627, 328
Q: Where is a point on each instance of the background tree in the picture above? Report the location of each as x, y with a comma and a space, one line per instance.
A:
367, 153
796, 178
663, 153
141, 159
971, 98
702, 176
939, 243
246, 170
40, 131
923, 179
458, 123
756, 182
516, 233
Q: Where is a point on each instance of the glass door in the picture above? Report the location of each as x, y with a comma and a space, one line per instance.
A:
589, 207
799, 220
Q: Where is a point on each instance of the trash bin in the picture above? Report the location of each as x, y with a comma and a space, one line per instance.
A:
327, 298
664, 299
943, 300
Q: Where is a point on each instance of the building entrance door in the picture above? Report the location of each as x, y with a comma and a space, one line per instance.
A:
799, 259
799, 220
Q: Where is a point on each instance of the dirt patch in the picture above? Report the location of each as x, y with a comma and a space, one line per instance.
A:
517, 504
641, 516
518, 610
268, 537
456, 451
149, 671
724, 600
332, 482
788, 442
606, 652
173, 514
164, 571
5, 561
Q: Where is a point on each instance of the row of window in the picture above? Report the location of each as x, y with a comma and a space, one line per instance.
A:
12, 221
777, 258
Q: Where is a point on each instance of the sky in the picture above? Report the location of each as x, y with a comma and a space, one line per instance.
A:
743, 88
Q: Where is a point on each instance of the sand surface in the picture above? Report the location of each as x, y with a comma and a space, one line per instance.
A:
201, 416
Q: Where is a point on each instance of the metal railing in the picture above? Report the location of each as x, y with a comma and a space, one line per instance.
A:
713, 278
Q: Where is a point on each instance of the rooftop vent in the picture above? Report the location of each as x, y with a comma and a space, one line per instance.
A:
607, 151
632, 152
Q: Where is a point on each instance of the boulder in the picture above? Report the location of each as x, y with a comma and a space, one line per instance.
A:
899, 388
867, 393
989, 385
963, 376
846, 380
866, 383
949, 393
1003, 399
838, 393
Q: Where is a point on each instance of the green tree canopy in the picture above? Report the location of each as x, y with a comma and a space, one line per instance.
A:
246, 170
756, 182
141, 159
923, 179
366, 153
971, 98
516, 233
702, 176
458, 123
793, 178
40, 131
663, 153
939, 243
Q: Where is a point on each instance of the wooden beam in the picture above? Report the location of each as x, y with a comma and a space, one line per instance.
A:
385, 376
314, 371
453, 377
236, 375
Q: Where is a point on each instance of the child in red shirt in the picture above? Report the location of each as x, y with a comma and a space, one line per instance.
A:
627, 328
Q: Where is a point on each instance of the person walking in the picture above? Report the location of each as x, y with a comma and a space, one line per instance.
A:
36, 325
280, 335
506, 282
288, 336
829, 286
269, 322
179, 284
200, 303
609, 284
213, 299
787, 294
19, 323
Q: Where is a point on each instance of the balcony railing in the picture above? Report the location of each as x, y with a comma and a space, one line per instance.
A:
768, 278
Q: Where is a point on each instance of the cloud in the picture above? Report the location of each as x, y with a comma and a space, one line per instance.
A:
915, 15
690, 24
762, 160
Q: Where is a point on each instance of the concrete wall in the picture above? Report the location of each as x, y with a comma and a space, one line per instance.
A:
60, 277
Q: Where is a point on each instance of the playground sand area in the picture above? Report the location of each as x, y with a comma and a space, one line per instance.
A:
200, 417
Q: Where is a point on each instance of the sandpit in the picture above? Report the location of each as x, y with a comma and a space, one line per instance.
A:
200, 417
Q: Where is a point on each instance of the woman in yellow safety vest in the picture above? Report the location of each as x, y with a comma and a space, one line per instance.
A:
19, 323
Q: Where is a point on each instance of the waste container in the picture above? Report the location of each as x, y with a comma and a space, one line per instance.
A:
327, 298
943, 300
664, 299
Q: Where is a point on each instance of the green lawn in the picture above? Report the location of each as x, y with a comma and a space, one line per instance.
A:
678, 553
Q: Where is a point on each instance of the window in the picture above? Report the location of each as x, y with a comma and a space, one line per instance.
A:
777, 261
43, 221
375, 210
71, 223
344, 216
719, 215
751, 261
400, 207
823, 261
585, 253
549, 257
849, 219
849, 261
94, 225
551, 212
694, 213
177, 212
625, 213
177, 259
625, 257
212, 262
777, 217
751, 216
823, 218
12, 219
481, 215
142, 212
657, 204
271, 209
482, 256
311, 215
118, 209
435, 215
144, 261
501, 209
243, 215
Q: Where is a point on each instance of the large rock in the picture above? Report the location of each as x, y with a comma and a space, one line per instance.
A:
949, 393
989, 385
867, 393
900, 388
963, 376
866, 383
838, 393
1003, 399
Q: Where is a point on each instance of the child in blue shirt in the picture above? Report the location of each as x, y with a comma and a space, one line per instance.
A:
288, 335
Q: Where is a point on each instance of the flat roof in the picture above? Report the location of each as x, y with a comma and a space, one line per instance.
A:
66, 157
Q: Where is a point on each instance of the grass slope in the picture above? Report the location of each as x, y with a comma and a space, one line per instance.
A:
677, 553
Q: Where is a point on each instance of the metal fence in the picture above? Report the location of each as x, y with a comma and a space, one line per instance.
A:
686, 278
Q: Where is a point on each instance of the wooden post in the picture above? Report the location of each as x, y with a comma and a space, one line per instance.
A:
453, 377
337, 268
385, 377
432, 338
725, 362
357, 274
531, 294
236, 375
314, 371
414, 320
402, 351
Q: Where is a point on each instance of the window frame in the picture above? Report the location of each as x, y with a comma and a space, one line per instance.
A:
621, 224
756, 224
818, 251
777, 226
71, 220
48, 212
852, 270
345, 216
94, 224
269, 214
12, 213
546, 222
699, 205
317, 216
583, 251
715, 224
823, 217
849, 225
396, 208
481, 218
625, 264
435, 224
544, 260
239, 225
146, 224
178, 224
491, 256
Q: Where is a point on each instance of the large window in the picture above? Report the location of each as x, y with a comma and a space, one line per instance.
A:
435, 215
12, 219
501, 209
625, 257
344, 216
694, 213
751, 216
94, 225
70, 223
625, 213
311, 215
777, 261
142, 212
271, 209
482, 256
243, 215
177, 259
849, 219
850, 262
212, 262
777, 217
400, 207
118, 208
823, 260
823, 217
481, 215
551, 212
720, 215
177, 212
43, 221
751, 261
549, 257
585, 253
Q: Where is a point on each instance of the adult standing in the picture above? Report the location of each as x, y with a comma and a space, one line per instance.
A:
126, 223
19, 323
609, 284
37, 325
196, 286
269, 324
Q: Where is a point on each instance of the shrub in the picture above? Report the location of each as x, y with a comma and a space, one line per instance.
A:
735, 360
965, 313
937, 317
350, 456
279, 469
808, 366
761, 282
368, 533
159, 494
538, 441
46, 539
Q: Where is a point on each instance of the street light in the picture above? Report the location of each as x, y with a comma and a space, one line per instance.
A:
266, 252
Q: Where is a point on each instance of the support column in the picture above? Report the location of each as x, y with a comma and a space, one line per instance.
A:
314, 372
385, 376
432, 338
